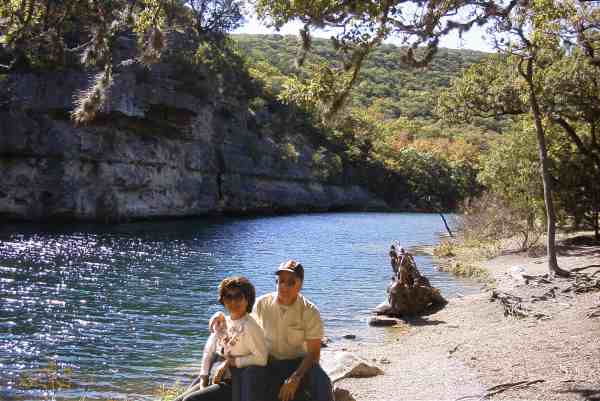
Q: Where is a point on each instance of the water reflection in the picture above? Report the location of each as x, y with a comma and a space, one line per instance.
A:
126, 306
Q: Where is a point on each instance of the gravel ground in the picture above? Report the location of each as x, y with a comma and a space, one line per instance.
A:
466, 350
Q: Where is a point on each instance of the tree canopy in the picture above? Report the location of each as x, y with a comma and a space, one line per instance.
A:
548, 71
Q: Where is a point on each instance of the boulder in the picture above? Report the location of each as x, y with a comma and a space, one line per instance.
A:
380, 321
347, 364
341, 394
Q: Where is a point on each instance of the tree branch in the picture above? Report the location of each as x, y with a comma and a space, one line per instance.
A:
572, 134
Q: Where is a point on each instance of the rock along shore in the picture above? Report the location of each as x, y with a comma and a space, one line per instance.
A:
471, 349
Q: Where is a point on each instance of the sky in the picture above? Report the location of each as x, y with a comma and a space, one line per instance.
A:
471, 40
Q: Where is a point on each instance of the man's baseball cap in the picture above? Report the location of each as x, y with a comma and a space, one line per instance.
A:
293, 267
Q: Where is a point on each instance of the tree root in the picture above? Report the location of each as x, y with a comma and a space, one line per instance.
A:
557, 271
584, 283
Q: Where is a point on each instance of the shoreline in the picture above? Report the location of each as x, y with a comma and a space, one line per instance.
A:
470, 349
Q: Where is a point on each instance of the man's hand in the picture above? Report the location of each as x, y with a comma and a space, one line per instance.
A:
220, 372
216, 319
289, 388
230, 360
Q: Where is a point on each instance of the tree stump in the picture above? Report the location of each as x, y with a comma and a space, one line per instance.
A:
417, 300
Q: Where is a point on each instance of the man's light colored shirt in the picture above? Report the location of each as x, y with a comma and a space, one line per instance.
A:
288, 327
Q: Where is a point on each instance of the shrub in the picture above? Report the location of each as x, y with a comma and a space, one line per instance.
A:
444, 249
289, 152
467, 270
490, 219
167, 393
50, 379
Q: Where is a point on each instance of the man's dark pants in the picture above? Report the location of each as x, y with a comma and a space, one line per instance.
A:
315, 385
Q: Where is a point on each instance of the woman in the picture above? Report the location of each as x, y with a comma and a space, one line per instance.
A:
239, 345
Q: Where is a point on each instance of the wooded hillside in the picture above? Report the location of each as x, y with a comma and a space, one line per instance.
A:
385, 80
389, 118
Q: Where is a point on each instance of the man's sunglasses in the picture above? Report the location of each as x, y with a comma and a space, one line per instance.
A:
287, 283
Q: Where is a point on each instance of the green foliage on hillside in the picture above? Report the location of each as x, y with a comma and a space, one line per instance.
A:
385, 81
389, 119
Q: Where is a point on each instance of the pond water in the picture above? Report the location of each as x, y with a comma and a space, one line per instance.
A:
123, 309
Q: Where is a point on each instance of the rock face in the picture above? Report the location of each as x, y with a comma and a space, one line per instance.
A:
166, 144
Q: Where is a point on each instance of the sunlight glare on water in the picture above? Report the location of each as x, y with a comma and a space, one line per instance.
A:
126, 306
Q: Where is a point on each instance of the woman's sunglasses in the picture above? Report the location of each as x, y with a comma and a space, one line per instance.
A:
233, 296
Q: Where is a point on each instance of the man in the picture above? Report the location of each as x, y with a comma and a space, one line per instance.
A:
293, 330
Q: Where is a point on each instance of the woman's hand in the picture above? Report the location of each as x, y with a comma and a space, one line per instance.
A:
289, 388
216, 319
220, 372
202, 380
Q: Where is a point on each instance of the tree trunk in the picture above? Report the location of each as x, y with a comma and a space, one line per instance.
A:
543, 154
446, 224
596, 225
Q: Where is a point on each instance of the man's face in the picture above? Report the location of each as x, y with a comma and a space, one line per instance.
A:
288, 288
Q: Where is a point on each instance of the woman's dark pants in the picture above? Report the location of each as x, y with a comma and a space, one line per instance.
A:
247, 384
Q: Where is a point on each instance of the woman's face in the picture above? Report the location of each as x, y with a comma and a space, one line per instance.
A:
235, 302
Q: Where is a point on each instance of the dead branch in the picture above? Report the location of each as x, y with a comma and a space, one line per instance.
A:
543, 279
513, 305
594, 311
542, 316
551, 293
453, 350
500, 388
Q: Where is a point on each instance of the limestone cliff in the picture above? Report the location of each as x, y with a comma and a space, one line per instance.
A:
168, 143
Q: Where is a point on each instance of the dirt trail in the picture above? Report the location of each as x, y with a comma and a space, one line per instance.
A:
469, 348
